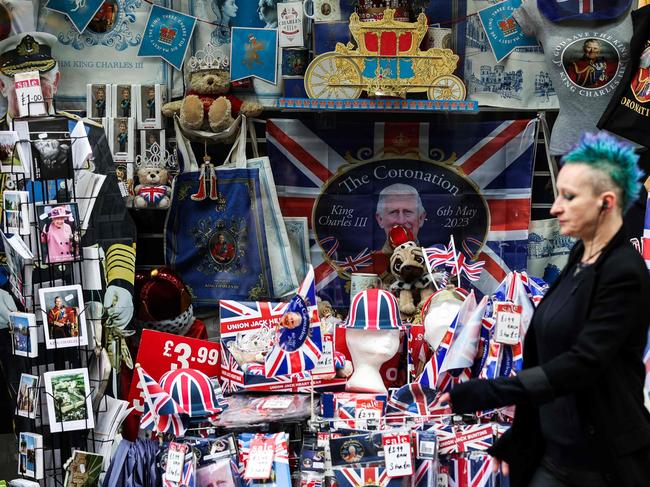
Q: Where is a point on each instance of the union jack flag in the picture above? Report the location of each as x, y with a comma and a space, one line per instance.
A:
496, 156
193, 391
356, 263
161, 412
475, 471
423, 470
347, 411
412, 399
436, 256
471, 271
360, 477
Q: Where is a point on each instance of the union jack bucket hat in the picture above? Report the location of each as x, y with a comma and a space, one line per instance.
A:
374, 309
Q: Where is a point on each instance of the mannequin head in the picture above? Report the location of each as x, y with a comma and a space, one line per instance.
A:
438, 313
369, 350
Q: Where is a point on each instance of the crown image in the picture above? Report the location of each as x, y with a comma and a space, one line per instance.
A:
154, 156
508, 26
167, 35
209, 58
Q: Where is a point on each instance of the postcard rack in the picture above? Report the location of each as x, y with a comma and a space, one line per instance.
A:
30, 280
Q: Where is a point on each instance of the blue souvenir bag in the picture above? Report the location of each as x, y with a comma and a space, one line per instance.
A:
215, 237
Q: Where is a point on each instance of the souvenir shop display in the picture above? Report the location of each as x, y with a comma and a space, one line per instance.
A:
310, 285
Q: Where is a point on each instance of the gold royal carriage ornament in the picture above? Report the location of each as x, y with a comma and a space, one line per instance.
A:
387, 62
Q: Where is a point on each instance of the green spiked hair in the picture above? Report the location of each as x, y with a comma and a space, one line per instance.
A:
614, 158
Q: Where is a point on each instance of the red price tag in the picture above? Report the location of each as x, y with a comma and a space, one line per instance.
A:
397, 454
260, 459
161, 352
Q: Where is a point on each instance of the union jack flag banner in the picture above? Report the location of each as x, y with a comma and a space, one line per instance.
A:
366, 476
161, 412
256, 357
584, 10
193, 391
354, 181
472, 471
374, 309
436, 256
280, 473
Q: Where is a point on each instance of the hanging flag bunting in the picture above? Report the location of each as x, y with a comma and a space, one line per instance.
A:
502, 31
167, 35
254, 53
80, 12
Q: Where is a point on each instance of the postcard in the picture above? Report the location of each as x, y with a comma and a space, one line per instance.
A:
63, 317
69, 405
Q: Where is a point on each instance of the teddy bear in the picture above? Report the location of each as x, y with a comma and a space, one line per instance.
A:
207, 102
153, 189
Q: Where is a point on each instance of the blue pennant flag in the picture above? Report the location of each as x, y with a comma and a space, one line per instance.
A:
254, 53
560, 10
167, 35
80, 12
502, 31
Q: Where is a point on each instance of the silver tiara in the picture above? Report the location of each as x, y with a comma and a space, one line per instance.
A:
209, 58
154, 156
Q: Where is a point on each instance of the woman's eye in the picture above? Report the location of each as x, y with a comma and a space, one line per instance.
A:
568, 196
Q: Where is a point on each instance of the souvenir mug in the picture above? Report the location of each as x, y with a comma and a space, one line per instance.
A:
360, 281
294, 61
323, 10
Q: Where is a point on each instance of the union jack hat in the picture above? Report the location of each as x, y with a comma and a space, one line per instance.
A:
374, 309
194, 392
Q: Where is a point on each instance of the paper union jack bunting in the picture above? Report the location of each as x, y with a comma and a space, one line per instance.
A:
193, 391
374, 309
161, 412
463, 439
358, 477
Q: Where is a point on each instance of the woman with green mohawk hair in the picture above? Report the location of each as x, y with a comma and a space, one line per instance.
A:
580, 418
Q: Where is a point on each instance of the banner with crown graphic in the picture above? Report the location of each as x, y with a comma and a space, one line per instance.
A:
167, 35
80, 12
502, 31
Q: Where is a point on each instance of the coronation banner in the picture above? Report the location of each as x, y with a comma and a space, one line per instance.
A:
354, 181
